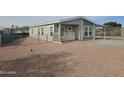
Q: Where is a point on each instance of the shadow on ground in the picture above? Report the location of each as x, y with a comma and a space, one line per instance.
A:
49, 65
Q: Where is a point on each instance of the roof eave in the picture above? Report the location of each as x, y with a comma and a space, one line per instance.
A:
64, 20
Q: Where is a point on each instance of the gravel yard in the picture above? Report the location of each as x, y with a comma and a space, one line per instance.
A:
116, 43
31, 57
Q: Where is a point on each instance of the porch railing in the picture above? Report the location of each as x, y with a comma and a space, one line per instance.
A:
65, 36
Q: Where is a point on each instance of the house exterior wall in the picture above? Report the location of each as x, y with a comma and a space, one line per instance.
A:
56, 32
66, 35
42, 32
82, 23
76, 31
76, 34
33, 32
73, 22
87, 23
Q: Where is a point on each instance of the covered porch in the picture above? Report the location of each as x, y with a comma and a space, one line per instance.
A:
66, 32
71, 32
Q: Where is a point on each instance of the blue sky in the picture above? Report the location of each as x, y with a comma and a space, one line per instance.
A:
30, 20
103, 19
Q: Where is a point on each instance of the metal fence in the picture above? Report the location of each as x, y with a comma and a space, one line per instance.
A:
7, 38
109, 33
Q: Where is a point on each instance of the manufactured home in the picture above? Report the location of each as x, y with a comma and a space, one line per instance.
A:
69, 29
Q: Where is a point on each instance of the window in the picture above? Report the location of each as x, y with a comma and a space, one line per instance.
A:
51, 31
38, 31
42, 33
63, 28
88, 31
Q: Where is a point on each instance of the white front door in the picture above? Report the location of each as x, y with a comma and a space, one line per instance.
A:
70, 34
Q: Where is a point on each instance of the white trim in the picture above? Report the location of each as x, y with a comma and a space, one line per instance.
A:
88, 31
59, 32
82, 29
94, 32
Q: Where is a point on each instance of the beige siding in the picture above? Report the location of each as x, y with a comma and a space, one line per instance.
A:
35, 32
77, 33
87, 23
73, 22
46, 32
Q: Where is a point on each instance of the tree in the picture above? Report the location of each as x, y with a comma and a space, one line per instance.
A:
119, 25
112, 25
24, 29
12, 29
112, 28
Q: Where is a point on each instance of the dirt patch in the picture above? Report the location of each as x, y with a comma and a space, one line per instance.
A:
36, 65
68, 59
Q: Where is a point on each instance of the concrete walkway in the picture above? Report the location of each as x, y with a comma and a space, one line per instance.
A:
118, 43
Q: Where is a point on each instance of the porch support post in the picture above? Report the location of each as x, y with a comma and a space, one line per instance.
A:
81, 30
104, 33
59, 33
94, 32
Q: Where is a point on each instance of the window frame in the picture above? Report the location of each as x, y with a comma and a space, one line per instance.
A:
38, 31
51, 31
88, 31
